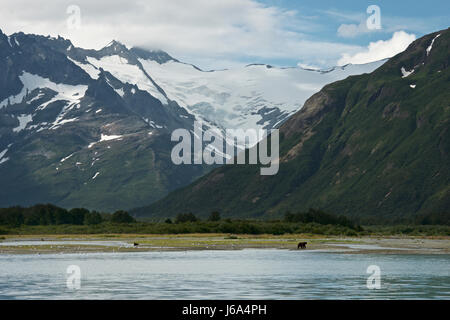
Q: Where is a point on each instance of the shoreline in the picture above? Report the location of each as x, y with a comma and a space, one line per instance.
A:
54, 244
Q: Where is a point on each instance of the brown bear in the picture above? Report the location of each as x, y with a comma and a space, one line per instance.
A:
302, 245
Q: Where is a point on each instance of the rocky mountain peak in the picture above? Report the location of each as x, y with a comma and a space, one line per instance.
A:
159, 56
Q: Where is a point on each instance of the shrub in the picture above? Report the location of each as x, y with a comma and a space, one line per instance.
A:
122, 217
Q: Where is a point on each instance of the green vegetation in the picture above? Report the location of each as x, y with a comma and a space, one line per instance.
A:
122, 217
321, 217
185, 217
227, 227
231, 227
50, 219
407, 230
48, 214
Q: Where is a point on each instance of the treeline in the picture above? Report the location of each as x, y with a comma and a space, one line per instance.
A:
424, 219
52, 219
433, 218
47, 218
311, 216
313, 221
320, 217
48, 214
190, 217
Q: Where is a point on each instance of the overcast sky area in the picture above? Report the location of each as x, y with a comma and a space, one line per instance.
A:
215, 34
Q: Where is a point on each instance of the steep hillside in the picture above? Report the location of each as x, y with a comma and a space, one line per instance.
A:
375, 145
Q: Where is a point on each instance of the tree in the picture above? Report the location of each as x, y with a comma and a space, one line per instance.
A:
93, 218
122, 217
320, 217
12, 217
168, 220
186, 217
214, 216
78, 215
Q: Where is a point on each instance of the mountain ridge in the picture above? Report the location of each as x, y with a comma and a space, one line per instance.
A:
374, 146
76, 136
84, 127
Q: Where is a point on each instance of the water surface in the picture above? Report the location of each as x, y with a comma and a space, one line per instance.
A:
233, 274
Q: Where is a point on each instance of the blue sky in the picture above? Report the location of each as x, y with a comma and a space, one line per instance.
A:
215, 34
413, 17
420, 17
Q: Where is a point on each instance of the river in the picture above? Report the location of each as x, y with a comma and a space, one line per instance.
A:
224, 274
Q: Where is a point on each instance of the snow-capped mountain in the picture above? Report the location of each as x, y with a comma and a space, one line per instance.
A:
78, 136
92, 127
256, 96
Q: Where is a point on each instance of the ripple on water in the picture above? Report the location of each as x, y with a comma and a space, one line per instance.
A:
234, 274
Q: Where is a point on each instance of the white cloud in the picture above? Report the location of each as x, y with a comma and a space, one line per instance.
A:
352, 30
380, 50
210, 33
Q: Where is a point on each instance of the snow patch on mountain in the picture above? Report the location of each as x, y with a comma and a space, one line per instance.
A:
37, 97
59, 122
92, 71
66, 158
2, 160
406, 73
31, 82
3, 153
431, 44
105, 137
127, 73
120, 92
24, 119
